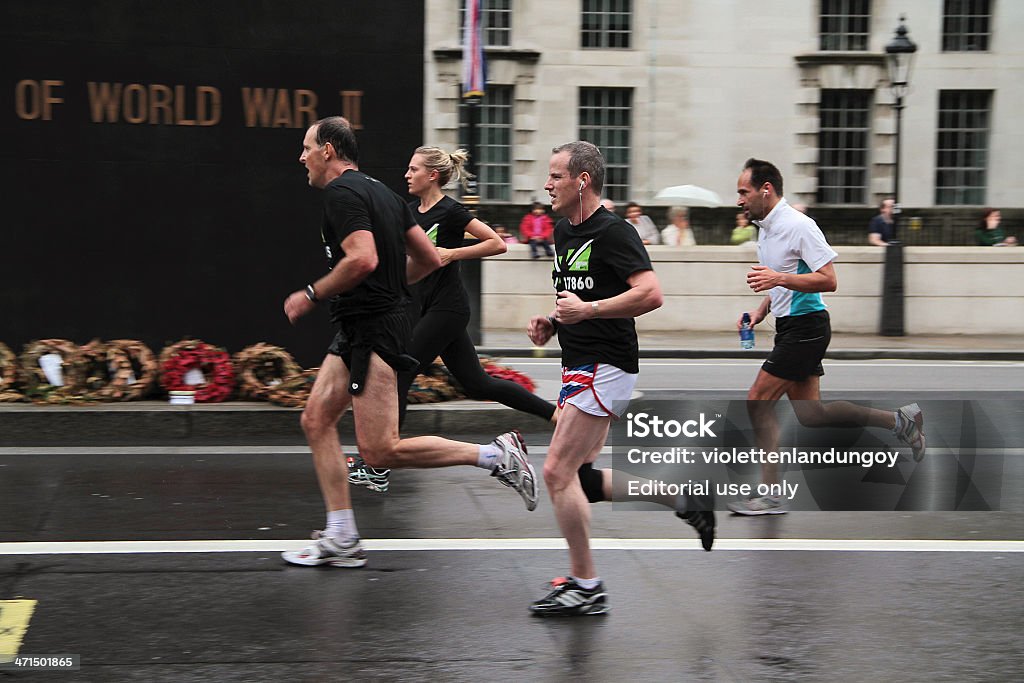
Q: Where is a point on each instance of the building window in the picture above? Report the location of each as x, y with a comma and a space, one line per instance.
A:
962, 147
493, 149
966, 25
843, 132
607, 23
606, 119
845, 24
495, 22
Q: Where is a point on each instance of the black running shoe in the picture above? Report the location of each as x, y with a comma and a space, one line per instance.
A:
568, 599
699, 512
703, 521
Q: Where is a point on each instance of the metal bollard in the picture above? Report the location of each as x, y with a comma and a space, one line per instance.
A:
891, 324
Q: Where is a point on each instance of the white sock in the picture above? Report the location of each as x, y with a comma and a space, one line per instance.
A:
587, 584
488, 456
896, 427
341, 525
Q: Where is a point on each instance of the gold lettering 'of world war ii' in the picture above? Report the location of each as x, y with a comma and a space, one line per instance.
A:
180, 105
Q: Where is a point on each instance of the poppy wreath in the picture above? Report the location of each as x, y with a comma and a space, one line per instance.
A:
192, 354
119, 370
36, 385
262, 367
293, 392
8, 376
502, 372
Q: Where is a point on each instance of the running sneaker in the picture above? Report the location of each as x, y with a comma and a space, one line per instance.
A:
513, 469
361, 474
699, 512
569, 599
911, 429
703, 521
759, 505
329, 551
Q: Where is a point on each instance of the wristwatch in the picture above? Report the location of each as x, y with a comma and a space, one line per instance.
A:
311, 294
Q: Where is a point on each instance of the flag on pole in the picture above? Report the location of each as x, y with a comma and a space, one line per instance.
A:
474, 70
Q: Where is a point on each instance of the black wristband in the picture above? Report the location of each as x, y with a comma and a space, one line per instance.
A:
554, 323
311, 294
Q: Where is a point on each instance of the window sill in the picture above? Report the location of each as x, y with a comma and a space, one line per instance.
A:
852, 58
453, 54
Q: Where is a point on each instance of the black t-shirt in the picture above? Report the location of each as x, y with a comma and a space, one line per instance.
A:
593, 260
445, 224
882, 227
355, 201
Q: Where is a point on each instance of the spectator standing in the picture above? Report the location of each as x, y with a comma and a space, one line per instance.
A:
536, 228
645, 227
989, 234
506, 237
882, 229
744, 231
678, 232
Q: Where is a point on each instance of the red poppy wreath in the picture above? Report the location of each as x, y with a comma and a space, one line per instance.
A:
193, 365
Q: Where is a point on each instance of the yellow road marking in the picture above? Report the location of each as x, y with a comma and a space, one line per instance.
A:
14, 618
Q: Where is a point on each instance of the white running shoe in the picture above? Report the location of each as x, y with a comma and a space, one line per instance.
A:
911, 431
327, 550
361, 474
513, 469
759, 505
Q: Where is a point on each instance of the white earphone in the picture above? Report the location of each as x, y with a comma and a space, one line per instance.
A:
582, 185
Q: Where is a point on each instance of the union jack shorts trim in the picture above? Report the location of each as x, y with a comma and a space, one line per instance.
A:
596, 389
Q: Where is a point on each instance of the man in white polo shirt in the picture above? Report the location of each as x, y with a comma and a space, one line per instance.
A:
795, 268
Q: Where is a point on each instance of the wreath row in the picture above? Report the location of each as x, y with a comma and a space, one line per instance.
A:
60, 371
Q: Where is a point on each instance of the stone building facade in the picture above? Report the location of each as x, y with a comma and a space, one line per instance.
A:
684, 91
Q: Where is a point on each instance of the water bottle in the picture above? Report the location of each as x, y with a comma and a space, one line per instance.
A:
746, 333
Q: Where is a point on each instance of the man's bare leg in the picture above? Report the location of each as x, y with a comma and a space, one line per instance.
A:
376, 416
375, 411
327, 402
761, 403
578, 439
338, 544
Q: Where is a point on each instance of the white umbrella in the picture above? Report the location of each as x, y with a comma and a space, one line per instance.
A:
690, 195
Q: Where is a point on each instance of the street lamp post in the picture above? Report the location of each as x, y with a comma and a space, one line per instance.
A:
899, 57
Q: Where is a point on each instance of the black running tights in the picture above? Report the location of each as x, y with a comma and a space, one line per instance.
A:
443, 333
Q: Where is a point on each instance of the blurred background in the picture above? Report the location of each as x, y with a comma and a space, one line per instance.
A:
150, 157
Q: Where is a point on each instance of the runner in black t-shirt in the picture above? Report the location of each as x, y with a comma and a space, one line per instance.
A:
441, 302
367, 232
603, 279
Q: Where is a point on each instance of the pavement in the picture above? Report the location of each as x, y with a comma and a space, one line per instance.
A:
844, 346
146, 538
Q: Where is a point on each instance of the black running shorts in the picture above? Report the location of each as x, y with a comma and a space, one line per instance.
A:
386, 335
800, 344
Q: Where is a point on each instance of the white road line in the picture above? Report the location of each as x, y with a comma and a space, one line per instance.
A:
744, 363
436, 544
535, 449
758, 361
153, 450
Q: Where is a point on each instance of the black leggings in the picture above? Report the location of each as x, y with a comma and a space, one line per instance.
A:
443, 333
